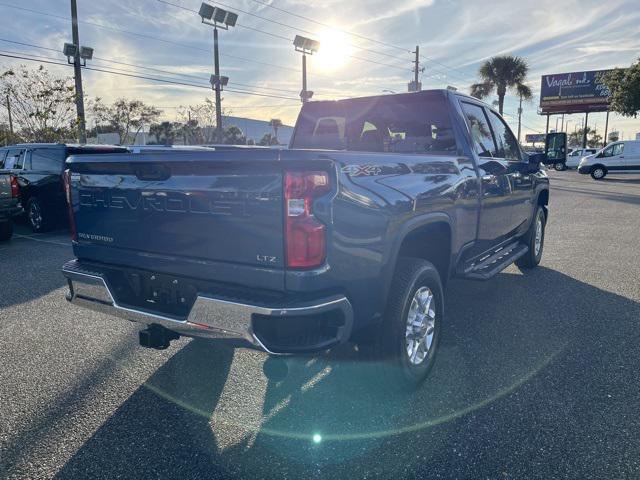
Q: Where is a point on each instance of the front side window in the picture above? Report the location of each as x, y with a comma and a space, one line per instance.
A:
608, 152
480, 131
3, 156
507, 143
618, 149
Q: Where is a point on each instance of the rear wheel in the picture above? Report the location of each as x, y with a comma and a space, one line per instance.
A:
408, 340
39, 220
6, 229
598, 172
534, 239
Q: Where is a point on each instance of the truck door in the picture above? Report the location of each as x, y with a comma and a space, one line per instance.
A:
517, 171
495, 222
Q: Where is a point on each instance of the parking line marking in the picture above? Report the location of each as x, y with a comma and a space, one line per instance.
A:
27, 237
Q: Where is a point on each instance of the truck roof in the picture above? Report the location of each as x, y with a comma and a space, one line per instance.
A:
68, 145
432, 92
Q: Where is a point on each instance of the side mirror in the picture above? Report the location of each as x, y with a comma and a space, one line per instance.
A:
535, 159
555, 147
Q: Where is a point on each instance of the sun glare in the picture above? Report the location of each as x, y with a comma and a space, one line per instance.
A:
334, 51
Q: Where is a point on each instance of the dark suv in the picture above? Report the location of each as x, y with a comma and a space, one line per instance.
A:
38, 169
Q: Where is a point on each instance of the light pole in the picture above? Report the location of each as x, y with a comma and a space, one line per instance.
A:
306, 46
80, 56
217, 17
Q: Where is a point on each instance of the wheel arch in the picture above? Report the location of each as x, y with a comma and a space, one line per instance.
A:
410, 240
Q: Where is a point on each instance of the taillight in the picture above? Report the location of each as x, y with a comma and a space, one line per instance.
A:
15, 188
305, 235
66, 178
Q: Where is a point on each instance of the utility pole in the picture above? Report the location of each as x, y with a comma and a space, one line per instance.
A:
519, 118
415, 85
10, 120
216, 65
606, 131
304, 78
77, 74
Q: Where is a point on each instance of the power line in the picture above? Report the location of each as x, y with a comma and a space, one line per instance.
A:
362, 59
348, 32
373, 40
150, 37
143, 77
153, 69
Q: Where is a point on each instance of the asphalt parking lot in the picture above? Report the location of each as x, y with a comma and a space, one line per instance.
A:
537, 377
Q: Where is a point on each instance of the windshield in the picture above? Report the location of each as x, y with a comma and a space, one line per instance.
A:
399, 124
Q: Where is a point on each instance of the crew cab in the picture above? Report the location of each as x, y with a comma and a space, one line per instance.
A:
9, 205
351, 234
37, 168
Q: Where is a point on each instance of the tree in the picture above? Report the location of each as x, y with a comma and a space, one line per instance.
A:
594, 139
500, 74
267, 140
166, 132
6, 138
275, 123
199, 122
42, 105
126, 118
232, 135
624, 85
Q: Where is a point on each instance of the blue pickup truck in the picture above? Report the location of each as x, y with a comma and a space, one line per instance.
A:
349, 235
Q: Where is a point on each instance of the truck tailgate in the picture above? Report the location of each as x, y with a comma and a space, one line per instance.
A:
205, 212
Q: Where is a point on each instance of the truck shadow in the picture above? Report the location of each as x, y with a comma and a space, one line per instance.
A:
530, 338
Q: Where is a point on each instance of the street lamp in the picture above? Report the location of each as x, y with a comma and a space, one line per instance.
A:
306, 46
217, 18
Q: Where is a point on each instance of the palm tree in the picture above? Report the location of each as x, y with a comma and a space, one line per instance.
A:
500, 74
524, 92
275, 123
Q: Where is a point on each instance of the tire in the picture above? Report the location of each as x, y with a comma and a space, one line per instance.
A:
6, 230
598, 172
534, 255
559, 167
406, 362
39, 218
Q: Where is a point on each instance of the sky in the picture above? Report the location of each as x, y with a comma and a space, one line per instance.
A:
365, 48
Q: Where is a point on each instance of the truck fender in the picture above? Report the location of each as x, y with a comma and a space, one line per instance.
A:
397, 238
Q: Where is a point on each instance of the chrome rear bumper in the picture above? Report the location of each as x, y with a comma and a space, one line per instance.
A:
210, 316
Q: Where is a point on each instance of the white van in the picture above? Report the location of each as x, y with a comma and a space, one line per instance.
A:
617, 157
573, 159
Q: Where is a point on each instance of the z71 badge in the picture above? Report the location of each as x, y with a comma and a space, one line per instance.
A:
361, 170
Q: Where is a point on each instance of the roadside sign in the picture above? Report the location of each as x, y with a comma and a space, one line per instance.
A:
575, 92
535, 138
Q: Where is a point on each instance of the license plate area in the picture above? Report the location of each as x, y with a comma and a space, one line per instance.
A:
157, 293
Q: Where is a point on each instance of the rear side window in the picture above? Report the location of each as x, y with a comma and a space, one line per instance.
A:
480, 131
3, 156
14, 160
505, 140
47, 159
417, 123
